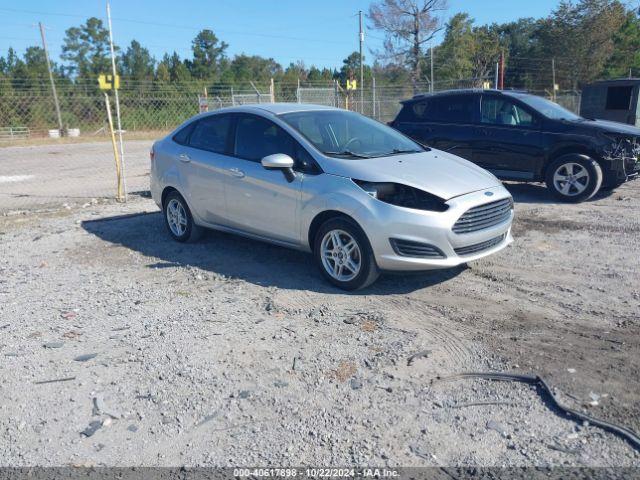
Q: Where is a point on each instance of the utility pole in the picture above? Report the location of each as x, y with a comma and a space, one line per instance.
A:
53, 84
553, 74
361, 64
432, 79
115, 89
501, 80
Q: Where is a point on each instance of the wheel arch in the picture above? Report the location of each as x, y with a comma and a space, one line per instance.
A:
170, 188
165, 193
574, 151
322, 217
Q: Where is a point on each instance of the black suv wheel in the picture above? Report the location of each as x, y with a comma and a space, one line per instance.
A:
574, 178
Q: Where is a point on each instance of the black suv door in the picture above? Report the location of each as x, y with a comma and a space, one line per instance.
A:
441, 121
509, 138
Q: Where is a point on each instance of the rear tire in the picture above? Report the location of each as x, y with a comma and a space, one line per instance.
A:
344, 255
178, 219
574, 178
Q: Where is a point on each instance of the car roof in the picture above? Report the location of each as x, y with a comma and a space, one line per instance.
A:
464, 91
274, 108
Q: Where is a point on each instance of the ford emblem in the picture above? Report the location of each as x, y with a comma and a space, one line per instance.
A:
489, 194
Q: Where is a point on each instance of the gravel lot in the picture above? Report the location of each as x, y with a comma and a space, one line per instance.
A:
71, 173
233, 352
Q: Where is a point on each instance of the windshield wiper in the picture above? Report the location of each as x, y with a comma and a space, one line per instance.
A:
348, 153
400, 151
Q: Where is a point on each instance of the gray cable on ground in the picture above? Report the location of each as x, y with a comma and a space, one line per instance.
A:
626, 433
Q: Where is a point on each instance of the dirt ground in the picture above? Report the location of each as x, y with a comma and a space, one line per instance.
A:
120, 347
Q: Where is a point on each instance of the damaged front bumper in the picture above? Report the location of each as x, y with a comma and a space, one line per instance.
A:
621, 162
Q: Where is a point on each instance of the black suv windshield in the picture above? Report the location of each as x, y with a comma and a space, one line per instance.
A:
548, 108
344, 134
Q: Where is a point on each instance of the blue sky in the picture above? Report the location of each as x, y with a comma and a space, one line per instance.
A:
321, 33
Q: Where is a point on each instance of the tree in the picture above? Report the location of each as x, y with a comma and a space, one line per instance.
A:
208, 53
467, 51
245, 68
454, 53
408, 25
351, 68
172, 69
137, 62
86, 48
8, 64
527, 66
583, 34
626, 51
316, 75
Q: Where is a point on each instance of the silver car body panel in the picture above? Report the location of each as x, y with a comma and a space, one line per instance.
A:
242, 197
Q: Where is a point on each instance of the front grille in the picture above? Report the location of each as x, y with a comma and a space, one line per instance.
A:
479, 247
484, 216
406, 248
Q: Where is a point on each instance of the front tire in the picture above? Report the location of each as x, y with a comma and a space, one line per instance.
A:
573, 178
178, 219
344, 255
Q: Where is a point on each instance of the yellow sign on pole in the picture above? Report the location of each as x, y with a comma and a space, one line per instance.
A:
352, 85
106, 82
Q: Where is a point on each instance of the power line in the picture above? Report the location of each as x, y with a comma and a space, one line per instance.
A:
186, 27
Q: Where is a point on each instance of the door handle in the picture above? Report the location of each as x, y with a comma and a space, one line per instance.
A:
184, 157
236, 172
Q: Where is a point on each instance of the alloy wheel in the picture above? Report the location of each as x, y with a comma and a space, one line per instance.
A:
176, 217
341, 256
571, 179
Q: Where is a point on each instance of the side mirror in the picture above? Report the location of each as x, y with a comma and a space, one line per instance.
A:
277, 160
280, 161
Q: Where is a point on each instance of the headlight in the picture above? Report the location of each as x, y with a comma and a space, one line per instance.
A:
403, 196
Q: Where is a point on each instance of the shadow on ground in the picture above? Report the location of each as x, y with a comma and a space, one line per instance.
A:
538, 193
236, 257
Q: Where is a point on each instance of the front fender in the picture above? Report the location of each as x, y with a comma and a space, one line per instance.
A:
339, 194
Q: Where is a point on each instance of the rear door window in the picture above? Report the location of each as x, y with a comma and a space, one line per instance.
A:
182, 136
211, 133
450, 109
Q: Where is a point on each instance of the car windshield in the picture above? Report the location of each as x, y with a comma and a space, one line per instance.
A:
548, 108
344, 134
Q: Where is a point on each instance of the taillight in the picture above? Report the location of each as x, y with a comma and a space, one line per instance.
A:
152, 154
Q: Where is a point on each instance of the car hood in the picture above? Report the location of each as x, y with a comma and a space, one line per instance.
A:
606, 126
436, 172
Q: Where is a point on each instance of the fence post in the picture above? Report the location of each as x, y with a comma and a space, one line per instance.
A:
373, 97
272, 91
233, 100
298, 91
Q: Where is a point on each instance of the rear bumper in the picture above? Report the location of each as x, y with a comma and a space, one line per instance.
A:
387, 224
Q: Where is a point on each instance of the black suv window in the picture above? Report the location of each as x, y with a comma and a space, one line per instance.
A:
500, 111
211, 133
257, 137
448, 109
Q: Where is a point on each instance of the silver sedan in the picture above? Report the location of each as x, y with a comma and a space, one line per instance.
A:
358, 195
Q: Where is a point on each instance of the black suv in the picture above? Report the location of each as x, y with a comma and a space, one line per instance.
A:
519, 136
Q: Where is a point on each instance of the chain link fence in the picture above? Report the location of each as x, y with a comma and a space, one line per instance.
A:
36, 170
